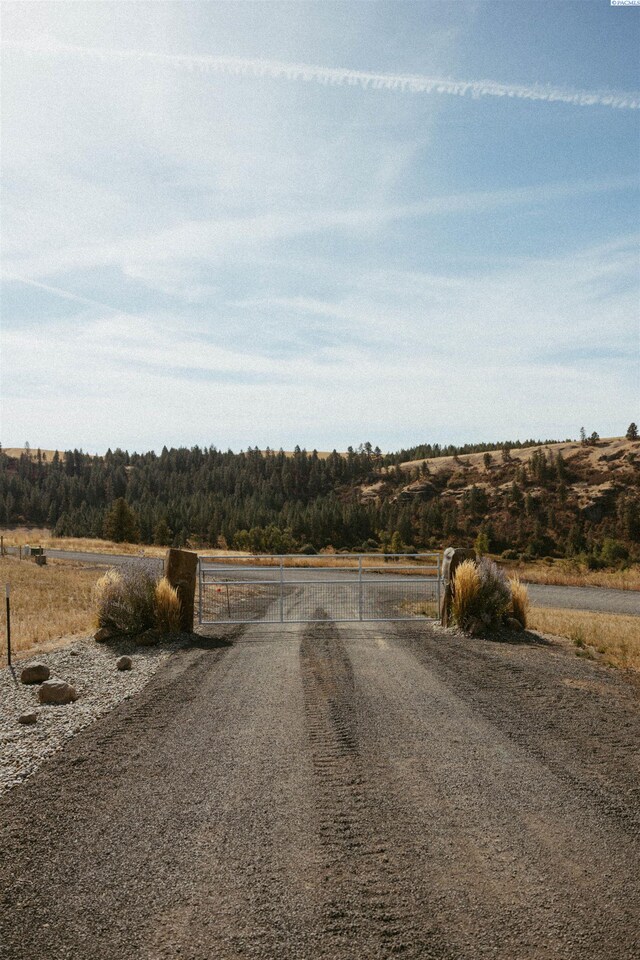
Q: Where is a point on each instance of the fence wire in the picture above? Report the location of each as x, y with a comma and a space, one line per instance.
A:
291, 589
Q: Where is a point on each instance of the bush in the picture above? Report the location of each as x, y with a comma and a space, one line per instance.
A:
167, 607
308, 549
481, 596
495, 592
125, 599
613, 552
519, 601
510, 555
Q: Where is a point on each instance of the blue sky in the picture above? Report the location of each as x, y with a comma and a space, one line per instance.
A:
240, 224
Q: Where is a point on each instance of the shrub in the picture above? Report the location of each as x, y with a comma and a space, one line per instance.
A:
495, 592
125, 598
167, 607
510, 555
613, 552
308, 549
481, 595
519, 601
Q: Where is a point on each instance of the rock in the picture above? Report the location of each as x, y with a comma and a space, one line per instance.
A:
124, 663
514, 624
28, 718
35, 673
147, 639
103, 634
57, 692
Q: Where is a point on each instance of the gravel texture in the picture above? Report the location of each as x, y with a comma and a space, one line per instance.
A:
338, 792
90, 668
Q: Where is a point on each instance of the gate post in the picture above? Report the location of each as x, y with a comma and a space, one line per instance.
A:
360, 586
281, 590
180, 571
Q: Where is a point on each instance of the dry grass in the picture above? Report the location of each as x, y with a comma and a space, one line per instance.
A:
167, 607
20, 536
571, 573
466, 592
519, 601
613, 637
46, 602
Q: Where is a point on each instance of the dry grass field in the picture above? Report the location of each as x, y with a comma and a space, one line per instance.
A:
613, 637
46, 602
567, 448
569, 573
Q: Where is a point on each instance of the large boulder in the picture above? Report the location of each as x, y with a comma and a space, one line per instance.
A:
57, 691
35, 673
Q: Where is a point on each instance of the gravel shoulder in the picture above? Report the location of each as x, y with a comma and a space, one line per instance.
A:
91, 669
338, 791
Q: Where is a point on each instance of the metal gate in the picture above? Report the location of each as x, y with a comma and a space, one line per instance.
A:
309, 589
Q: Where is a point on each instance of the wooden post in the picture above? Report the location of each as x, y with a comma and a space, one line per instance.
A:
8, 627
180, 570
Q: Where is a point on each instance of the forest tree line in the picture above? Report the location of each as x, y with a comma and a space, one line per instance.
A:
274, 502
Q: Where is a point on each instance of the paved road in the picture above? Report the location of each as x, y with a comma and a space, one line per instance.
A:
338, 792
573, 598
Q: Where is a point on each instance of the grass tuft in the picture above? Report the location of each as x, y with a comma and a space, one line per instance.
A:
519, 601
167, 607
466, 594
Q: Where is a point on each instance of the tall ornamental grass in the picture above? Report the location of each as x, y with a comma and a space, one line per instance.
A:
519, 601
167, 607
482, 596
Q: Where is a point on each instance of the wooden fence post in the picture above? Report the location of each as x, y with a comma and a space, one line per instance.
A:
180, 570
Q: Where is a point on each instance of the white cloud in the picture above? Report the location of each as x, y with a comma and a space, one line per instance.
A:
261, 69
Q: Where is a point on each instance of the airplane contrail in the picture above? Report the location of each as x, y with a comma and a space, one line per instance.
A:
337, 76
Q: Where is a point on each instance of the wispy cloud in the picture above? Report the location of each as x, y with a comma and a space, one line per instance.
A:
209, 239
57, 291
260, 69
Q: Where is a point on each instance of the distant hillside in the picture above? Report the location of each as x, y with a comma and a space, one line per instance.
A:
552, 499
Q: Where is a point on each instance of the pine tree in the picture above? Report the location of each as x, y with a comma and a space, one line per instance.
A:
121, 523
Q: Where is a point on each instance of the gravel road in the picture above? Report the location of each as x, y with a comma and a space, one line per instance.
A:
338, 791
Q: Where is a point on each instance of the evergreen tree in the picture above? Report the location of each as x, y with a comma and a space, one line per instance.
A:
121, 523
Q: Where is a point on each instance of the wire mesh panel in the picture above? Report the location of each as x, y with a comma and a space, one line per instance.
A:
295, 589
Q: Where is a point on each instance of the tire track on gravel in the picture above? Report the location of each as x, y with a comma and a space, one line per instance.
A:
371, 910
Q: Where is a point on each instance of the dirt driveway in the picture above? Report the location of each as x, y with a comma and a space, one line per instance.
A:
338, 791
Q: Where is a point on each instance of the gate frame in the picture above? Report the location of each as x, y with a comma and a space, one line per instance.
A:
436, 556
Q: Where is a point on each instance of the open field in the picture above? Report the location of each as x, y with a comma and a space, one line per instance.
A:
46, 602
570, 573
615, 637
17, 452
